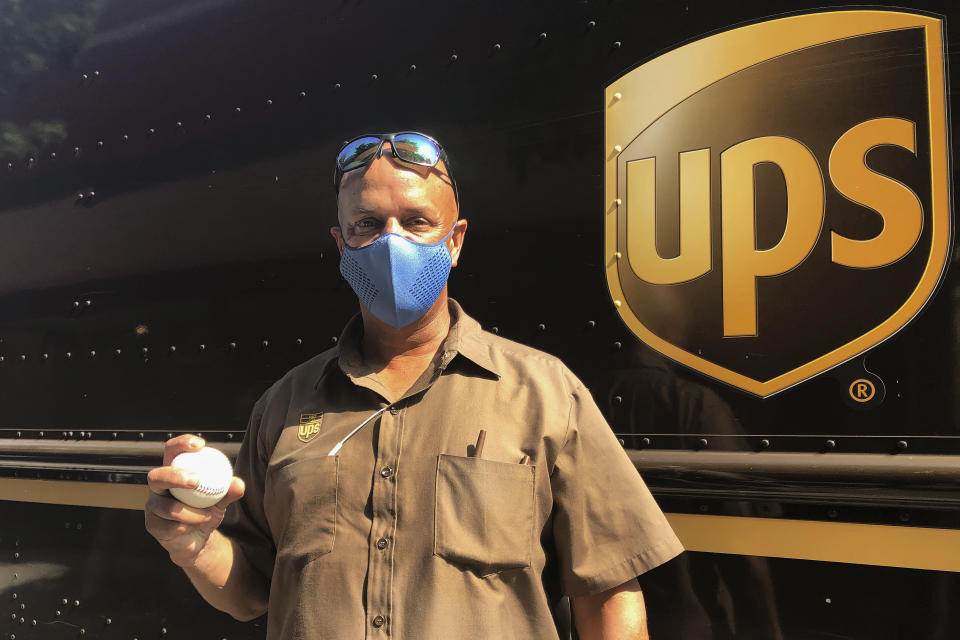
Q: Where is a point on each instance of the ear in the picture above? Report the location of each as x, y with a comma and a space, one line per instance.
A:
455, 243
338, 237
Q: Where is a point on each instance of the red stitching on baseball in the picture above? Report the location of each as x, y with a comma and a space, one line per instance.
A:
208, 490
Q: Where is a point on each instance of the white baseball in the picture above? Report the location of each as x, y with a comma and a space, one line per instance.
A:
212, 468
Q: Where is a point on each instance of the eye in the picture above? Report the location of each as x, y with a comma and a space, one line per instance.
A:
419, 223
367, 224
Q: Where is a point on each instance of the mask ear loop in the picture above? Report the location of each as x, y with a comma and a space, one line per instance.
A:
339, 445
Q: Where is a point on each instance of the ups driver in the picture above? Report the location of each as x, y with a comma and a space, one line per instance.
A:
388, 516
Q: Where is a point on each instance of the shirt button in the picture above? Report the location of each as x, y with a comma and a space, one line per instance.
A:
386, 472
378, 621
382, 543
394, 411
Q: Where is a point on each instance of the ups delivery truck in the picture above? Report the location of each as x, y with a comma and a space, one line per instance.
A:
733, 221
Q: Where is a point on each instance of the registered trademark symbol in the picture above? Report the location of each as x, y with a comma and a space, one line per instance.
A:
862, 390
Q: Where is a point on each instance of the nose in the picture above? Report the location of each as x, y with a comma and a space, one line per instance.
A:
392, 225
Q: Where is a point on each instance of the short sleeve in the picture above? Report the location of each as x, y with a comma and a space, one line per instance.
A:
245, 521
607, 527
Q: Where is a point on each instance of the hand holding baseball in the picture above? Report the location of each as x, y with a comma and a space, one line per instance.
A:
181, 529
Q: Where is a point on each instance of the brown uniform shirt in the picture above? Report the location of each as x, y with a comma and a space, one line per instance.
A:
402, 534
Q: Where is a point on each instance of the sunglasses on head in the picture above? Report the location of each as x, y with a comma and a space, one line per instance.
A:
409, 146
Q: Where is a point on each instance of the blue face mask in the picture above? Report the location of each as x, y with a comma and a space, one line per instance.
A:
397, 279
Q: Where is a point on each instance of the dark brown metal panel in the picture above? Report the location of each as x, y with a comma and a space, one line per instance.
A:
163, 240
80, 572
701, 596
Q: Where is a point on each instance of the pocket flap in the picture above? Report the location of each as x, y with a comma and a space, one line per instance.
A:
484, 513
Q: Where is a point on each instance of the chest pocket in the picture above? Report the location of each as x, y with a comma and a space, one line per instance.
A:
301, 508
484, 513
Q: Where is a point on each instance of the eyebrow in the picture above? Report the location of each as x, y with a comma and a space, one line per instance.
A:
361, 210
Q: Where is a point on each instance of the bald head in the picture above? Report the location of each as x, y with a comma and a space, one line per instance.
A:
391, 196
417, 182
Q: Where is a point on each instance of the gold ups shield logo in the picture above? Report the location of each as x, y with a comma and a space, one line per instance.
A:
777, 196
309, 426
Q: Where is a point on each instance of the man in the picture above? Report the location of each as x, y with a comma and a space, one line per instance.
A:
370, 506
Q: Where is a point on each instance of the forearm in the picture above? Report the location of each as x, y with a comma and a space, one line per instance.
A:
616, 614
224, 578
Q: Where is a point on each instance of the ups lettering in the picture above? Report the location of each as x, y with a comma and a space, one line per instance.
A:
306, 431
741, 261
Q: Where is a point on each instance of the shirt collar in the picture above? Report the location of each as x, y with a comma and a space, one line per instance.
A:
464, 338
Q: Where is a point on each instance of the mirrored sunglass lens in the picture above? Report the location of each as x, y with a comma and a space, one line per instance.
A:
415, 148
357, 153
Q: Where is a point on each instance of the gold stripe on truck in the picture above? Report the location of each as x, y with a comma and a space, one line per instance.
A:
83, 494
869, 544
872, 544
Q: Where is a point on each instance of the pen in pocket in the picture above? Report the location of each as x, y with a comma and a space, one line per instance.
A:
478, 448
481, 438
